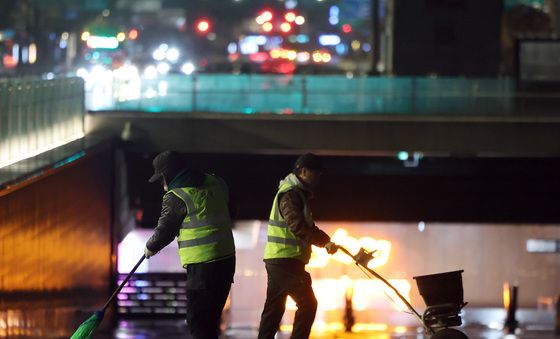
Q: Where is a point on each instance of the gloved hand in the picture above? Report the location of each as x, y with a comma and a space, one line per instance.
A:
148, 253
331, 247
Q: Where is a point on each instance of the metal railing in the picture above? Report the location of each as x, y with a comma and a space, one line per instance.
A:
304, 94
37, 115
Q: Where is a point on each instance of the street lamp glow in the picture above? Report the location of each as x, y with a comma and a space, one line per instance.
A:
172, 54
163, 68
150, 72
300, 20
32, 53
290, 17
121, 36
85, 36
159, 54
266, 15
260, 20
285, 27
267, 27
188, 68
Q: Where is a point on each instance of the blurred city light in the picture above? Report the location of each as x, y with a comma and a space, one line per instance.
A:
102, 42
346, 28
133, 34
85, 36
290, 17
260, 20
267, 27
188, 68
334, 12
158, 54
355, 45
172, 54
329, 39
300, 20
402, 155
291, 4
15, 53
232, 48
163, 68
82, 73
266, 15
150, 72
32, 53
203, 26
285, 27
303, 57
121, 36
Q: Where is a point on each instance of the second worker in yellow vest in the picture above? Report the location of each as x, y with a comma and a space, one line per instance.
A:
291, 232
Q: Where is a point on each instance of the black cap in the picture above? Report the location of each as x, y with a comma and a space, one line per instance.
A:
310, 161
165, 164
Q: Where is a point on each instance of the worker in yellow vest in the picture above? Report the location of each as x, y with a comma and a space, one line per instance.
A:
196, 211
291, 232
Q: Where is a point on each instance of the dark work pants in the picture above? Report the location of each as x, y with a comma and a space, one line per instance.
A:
288, 278
208, 287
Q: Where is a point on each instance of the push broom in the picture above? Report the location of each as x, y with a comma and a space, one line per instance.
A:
87, 328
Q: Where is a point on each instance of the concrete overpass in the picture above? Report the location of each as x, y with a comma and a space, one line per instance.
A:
441, 135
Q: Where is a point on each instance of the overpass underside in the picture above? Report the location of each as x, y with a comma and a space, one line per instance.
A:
471, 136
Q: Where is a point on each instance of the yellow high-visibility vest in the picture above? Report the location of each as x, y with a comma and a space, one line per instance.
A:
205, 233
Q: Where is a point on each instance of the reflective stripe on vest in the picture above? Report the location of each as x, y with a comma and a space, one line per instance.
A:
281, 241
205, 233
204, 241
286, 241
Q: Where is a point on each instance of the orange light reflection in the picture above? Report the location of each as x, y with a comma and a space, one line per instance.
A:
368, 294
320, 258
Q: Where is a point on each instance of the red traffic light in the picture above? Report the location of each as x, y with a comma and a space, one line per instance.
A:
203, 26
346, 28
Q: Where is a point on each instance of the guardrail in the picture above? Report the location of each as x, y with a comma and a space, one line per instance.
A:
37, 115
300, 94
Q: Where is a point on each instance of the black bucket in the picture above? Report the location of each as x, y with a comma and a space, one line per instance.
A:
441, 288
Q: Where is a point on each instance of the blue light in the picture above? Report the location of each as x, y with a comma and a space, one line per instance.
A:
143, 297
70, 159
302, 38
141, 283
334, 11
366, 47
341, 49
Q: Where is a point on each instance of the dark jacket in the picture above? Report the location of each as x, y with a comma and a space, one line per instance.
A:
291, 207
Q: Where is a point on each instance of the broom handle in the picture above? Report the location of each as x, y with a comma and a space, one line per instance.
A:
123, 283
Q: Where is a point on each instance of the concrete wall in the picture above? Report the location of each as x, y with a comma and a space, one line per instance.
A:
55, 248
